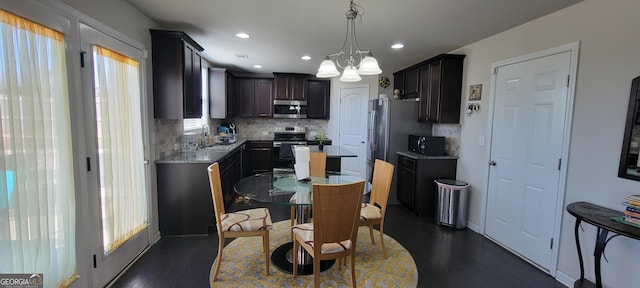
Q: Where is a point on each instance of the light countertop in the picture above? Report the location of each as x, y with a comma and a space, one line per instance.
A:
417, 156
218, 152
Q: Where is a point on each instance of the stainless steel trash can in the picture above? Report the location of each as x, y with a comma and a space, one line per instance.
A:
451, 203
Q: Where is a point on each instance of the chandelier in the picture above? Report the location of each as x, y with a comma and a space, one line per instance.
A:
353, 62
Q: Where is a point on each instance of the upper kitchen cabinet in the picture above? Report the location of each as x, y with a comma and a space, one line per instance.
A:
408, 82
177, 75
254, 97
318, 99
441, 89
221, 100
290, 86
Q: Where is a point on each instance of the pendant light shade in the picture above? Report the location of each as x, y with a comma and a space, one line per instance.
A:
350, 75
327, 69
369, 66
354, 60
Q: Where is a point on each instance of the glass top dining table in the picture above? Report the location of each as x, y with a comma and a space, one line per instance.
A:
283, 188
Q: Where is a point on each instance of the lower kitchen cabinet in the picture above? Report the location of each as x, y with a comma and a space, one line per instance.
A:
260, 153
230, 174
185, 206
184, 198
416, 189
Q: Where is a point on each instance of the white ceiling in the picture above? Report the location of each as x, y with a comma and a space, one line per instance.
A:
282, 31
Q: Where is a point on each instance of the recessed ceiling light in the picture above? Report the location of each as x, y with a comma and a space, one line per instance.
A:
306, 57
257, 66
242, 35
397, 46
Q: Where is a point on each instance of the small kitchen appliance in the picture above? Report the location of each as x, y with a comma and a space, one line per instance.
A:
426, 145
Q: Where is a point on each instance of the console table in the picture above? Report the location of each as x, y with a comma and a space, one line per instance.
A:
601, 218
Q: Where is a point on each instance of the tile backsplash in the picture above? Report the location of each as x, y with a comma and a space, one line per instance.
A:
169, 133
254, 127
170, 138
452, 133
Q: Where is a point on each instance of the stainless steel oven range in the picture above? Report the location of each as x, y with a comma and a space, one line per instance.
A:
286, 137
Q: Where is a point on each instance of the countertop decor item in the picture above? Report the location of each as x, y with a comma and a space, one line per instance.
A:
321, 138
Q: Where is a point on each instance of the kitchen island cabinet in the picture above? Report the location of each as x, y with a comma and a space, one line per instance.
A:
416, 189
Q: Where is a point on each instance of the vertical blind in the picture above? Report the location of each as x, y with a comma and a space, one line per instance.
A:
37, 200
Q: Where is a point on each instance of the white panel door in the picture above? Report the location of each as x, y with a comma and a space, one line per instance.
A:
528, 126
353, 129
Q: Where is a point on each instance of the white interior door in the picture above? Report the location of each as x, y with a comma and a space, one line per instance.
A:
353, 128
526, 147
118, 174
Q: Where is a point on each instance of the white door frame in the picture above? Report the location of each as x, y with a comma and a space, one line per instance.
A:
574, 49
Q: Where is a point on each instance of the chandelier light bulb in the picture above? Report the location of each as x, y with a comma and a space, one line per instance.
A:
327, 69
369, 66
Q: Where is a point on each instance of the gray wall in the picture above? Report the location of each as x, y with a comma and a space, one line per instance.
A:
608, 60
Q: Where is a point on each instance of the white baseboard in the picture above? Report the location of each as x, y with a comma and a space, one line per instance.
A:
473, 227
155, 238
565, 279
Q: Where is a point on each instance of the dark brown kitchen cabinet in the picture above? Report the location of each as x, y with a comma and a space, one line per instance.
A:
177, 75
416, 189
254, 97
260, 153
184, 198
230, 174
185, 206
290, 86
441, 89
318, 99
408, 82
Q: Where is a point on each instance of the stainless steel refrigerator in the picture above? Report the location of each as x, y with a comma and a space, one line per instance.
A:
389, 125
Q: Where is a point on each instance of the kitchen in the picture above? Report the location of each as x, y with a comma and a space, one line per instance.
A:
466, 139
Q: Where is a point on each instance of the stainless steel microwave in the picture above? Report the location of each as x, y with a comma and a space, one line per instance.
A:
289, 109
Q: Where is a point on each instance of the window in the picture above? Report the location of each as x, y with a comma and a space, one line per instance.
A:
195, 125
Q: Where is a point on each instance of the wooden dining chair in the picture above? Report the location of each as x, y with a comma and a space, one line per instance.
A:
333, 233
245, 223
317, 168
372, 213
317, 164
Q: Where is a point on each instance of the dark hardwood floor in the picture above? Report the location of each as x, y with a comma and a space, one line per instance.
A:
444, 257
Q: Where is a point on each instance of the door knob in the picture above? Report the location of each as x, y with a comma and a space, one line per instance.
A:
492, 163
362, 142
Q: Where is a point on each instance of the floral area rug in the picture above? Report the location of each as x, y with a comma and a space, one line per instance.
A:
243, 264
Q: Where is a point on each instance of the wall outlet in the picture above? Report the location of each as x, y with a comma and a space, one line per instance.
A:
481, 141
265, 133
312, 133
